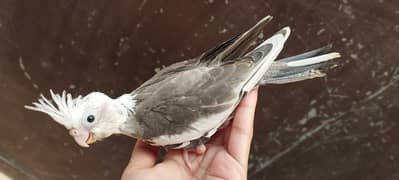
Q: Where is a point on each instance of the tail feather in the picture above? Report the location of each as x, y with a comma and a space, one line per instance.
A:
313, 60
301, 67
312, 53
308, 74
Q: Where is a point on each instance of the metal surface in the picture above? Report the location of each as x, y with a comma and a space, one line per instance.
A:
340, 127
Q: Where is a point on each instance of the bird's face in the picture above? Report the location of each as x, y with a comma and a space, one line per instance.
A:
97, 117
88, 119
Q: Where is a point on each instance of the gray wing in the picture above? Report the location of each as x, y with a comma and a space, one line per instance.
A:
230, 50
188, 100
235, 47
206, 95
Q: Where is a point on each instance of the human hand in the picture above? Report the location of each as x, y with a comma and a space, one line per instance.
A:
226, 156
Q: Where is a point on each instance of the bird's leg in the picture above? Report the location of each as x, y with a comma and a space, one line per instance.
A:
199, 150
161, 154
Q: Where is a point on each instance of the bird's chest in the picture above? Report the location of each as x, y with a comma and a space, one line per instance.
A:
194, 134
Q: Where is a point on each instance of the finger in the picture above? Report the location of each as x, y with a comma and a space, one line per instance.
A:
227, 135
174, 155
143, 156
239, 142
219, 136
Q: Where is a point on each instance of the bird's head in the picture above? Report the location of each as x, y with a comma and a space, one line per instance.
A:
88, 119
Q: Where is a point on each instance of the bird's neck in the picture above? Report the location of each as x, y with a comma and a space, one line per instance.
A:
126, 104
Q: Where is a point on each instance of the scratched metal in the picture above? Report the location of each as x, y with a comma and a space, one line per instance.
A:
340, 127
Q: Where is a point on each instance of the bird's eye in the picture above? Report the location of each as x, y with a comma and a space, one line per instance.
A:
90, 118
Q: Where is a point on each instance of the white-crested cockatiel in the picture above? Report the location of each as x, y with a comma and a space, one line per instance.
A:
184, 104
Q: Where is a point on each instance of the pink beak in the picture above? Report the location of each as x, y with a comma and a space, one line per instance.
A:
82, 137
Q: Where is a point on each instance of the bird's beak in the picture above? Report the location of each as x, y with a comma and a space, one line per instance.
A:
82, 137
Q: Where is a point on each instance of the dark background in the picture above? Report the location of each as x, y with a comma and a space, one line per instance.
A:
343, 126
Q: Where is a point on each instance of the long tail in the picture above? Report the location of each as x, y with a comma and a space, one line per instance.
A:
301, 67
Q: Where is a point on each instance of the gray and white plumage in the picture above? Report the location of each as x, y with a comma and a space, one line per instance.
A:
184, 104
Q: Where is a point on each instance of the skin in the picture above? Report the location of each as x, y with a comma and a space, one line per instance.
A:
226, 155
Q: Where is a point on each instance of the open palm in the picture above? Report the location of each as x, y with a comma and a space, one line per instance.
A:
226, 156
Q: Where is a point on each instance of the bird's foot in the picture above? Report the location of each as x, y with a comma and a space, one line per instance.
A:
199, 150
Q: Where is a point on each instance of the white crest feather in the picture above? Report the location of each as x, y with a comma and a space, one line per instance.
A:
62, 114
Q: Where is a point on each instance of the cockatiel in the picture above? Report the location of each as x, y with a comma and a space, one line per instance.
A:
184, 104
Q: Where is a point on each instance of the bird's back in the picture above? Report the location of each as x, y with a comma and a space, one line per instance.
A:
191, 102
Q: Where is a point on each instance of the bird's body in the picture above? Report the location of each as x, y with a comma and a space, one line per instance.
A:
189, 104
184, 104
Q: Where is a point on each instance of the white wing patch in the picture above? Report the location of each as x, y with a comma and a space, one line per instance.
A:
277, 41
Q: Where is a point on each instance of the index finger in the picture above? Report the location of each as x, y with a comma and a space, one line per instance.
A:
143, 156
239, 142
